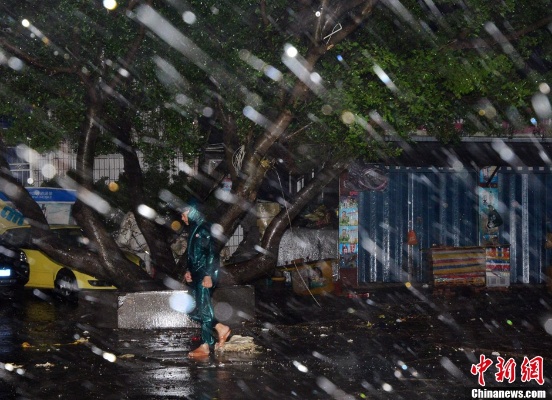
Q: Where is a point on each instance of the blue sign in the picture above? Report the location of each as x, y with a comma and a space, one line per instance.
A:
43, 194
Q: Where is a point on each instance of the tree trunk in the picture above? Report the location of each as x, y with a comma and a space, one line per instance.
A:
252, 173
113, 264
156, 239
263, 265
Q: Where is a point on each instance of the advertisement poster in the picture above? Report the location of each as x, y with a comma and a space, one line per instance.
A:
348, 225
490, 219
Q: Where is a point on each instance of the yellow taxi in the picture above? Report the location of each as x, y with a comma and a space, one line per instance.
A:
46, 273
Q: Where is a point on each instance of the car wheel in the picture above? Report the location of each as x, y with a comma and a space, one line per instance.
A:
65, 286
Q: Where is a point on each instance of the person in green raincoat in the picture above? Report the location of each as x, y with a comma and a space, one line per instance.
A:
202, 276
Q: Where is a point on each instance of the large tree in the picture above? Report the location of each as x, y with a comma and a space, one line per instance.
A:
317, 82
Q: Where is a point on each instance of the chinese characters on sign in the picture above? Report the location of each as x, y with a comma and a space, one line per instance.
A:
530, 369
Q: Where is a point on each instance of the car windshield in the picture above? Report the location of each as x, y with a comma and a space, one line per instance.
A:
20, 237
72, 237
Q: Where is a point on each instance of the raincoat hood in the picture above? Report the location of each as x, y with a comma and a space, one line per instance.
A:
194, 215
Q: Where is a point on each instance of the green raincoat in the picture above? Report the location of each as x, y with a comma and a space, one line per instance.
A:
203, 260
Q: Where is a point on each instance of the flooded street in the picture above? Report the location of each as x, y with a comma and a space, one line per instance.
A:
397, 343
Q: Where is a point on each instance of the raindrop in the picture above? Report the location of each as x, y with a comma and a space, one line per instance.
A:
208, 112
300, 367
189, 17
182, 302
316, 78
217, 231
451, 367
490, 112
326, 385
245, 55
541, 105
381, 74
124, 73
226, 196
255, 116
146, 211
182, 99
49, 171
544, 88
503, 150
25, 23
273, 73
184, 167
387, 387
15, 63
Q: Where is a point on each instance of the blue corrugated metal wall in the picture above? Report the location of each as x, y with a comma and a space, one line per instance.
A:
441, 206
525, 196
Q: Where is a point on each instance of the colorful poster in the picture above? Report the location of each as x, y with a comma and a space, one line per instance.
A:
348, 225
490, 219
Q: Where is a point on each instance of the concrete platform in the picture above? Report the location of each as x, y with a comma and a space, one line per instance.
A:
163, 309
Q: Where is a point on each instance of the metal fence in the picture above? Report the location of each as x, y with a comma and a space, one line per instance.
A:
42, 167
33, 169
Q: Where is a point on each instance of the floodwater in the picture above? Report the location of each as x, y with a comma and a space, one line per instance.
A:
397, 343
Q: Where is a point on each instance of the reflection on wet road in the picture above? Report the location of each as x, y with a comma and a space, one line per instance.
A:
396, 344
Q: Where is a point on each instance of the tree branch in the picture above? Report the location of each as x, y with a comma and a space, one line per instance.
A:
479, 43
35, 62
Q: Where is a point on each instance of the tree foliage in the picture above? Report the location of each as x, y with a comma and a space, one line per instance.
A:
310, 84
